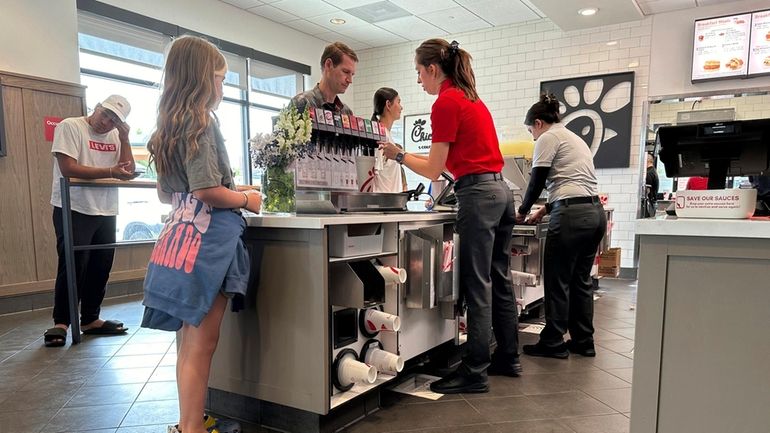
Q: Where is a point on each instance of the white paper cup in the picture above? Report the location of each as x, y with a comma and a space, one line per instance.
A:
365, 173
392, 274
376, 320
351, 371
384, 361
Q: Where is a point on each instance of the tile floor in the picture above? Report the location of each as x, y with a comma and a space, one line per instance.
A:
126, 384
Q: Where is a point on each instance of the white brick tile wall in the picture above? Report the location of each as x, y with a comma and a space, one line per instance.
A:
510, 62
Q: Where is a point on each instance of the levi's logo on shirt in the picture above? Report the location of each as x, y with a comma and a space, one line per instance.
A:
102, 147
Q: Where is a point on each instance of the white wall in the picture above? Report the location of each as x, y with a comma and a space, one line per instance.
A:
509, 63
672, 44
39, 38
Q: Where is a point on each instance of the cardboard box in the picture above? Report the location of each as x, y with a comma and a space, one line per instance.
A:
355, 240
609, 263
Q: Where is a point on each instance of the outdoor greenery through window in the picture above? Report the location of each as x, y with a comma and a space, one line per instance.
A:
119, 58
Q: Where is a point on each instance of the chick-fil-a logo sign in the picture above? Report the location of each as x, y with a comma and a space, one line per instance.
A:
181, 239
49, 124
417, 133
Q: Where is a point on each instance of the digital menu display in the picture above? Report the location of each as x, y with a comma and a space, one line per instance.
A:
759, 55
721, 47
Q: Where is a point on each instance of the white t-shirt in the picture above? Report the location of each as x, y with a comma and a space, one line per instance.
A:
572, 171
75, 138
387, 172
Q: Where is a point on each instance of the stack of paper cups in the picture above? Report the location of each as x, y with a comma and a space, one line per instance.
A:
365, 173
392, 274
384, 361
351, 371
377, 320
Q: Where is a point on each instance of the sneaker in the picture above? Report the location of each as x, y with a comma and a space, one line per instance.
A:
511, 370
585, 349
456, 383
540, 349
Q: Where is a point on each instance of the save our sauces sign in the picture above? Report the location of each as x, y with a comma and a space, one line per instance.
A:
417, 133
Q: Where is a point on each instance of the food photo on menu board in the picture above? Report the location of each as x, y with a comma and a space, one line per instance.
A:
759, 57
721, 47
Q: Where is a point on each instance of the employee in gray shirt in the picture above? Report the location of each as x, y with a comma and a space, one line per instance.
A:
563, 163
338, 65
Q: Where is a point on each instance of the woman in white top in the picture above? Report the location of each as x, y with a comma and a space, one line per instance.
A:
388, 174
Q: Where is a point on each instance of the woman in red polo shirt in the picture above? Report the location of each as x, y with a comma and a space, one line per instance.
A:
465, 142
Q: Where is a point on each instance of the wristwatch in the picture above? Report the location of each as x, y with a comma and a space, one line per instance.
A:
400, 157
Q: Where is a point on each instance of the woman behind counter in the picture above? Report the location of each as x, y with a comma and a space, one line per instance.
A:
465, 142
564, 163
388, 174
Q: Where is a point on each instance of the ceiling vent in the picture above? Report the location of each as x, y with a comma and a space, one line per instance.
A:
379, 11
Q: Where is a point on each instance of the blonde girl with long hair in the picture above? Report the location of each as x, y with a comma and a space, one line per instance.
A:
199, 260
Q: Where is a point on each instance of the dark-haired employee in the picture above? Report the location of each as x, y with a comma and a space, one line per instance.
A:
563, 162
465, 142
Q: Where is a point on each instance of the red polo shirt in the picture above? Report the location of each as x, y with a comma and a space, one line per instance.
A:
468, 128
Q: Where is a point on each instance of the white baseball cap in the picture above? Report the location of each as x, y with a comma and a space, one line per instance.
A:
118, 105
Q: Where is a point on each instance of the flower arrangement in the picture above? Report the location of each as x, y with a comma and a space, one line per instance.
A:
289, 140
276, 153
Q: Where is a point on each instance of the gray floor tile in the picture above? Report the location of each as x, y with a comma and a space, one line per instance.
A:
595, 379
84, 350
39, 398
73, 419
141, 413
573, 403
120, 376
544, 384
616, 423
134, 361
476, 428
612, 360
502, 409
164, 374
623, 347
539, 426
623, 373
420, 416
28, 421
105, 394
500, 386
618, 399
153, 428
144, 349
158, 391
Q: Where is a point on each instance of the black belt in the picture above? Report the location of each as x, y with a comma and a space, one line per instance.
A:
574, 200
470, 179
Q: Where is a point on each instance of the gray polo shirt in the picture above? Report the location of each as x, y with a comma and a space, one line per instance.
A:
572, 171
315, 98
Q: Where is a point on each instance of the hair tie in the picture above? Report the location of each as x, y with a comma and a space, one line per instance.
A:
453, 48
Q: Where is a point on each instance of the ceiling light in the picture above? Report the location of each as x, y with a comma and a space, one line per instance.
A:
611, 43
587, 12
337, 21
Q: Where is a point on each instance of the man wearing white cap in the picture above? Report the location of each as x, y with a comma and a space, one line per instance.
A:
93, 147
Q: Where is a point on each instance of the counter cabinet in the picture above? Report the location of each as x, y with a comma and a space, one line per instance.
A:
274, 360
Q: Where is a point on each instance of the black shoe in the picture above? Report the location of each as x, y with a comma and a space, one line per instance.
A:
585, 349
456, 383
541, 349
510, 370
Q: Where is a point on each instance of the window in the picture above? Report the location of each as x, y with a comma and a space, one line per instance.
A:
120, 58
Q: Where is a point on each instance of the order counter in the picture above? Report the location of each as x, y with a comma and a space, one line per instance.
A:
702, 345
278, 361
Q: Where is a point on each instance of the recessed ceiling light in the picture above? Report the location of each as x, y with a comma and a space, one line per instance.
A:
611, 43
337, 21
587, 12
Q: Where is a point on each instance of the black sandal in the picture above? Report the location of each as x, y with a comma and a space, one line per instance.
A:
55, 337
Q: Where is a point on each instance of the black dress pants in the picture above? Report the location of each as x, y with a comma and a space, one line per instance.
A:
574, 234
92, 267
484, 223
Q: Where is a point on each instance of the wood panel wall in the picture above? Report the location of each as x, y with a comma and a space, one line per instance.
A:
27, 241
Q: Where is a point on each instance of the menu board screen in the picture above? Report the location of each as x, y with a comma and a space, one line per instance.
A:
721, 47
759, 56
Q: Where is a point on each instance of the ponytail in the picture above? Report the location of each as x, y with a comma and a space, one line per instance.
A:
454, 62
546, 110
381, 97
